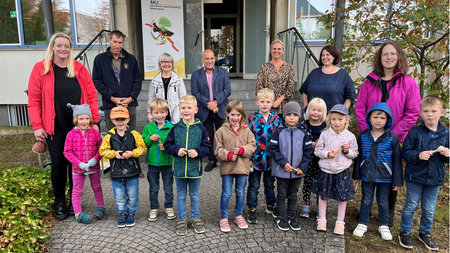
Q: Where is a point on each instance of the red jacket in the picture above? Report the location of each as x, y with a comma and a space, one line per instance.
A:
41, 101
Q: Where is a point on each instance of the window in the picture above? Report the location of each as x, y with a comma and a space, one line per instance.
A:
91, 18
9, 34
308, 12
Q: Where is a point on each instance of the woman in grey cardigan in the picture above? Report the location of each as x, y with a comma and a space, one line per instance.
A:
167, 85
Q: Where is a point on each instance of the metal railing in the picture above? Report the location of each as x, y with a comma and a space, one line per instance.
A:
96, 46
298, 54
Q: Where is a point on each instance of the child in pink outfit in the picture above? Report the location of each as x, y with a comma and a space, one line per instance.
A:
81, 149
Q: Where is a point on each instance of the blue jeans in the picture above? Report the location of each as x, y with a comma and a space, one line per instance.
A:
194, 185
254, 181
368, 191
227, 185
287, 189
126, 194
414, 193
153, 180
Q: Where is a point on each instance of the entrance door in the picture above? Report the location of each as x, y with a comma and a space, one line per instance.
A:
256, 36
222, 35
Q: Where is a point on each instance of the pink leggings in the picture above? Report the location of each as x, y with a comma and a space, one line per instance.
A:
342, 205
78, 185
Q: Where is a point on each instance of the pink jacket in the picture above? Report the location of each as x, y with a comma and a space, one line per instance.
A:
329, 141
41, 101
404, 102
81, 148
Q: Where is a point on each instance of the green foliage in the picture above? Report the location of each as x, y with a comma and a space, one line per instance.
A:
420, 26
25, 200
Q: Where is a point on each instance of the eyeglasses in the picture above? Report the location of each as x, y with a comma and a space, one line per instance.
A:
166, 62
389, 54
116, 71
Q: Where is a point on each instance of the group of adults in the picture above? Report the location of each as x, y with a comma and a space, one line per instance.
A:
59, 79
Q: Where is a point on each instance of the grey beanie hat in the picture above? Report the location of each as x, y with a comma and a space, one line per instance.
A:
80, 110
292, 107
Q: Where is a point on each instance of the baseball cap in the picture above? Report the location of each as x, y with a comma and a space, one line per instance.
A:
119, 112
340, 109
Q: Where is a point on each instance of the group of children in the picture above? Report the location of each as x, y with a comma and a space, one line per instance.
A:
321, 150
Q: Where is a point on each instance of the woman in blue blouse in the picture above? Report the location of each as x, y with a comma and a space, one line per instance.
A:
329, 82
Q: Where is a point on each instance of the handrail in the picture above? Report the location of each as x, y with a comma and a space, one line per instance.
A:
90, 43
303, 41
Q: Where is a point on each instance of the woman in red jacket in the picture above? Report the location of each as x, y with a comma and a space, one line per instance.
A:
55, 82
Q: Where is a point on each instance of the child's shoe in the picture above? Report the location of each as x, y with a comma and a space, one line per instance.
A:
282, 224
181, 227
428, 242
83, 218
404, 239
100, 212
271, 209
170, 213
252, 216
339, 228
240, 221
385, 233
153, 215
122, 220
224, 226
305, 211
130, 220
321, 224
360, 230
294, 224
198, 225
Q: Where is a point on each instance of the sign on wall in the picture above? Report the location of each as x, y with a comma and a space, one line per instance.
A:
162, 32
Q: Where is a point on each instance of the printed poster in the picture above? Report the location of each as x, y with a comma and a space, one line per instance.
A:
162, 32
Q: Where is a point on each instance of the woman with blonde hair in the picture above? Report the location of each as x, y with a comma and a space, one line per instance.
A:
167, 85
55, 82
278, 76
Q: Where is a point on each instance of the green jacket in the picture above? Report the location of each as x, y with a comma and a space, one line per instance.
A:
156, 156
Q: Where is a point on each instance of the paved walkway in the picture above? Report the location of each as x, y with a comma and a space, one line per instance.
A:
159, 236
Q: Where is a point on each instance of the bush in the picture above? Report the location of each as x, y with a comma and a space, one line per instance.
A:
25, 205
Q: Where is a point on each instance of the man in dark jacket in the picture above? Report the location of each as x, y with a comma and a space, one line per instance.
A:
210, 85
117, 77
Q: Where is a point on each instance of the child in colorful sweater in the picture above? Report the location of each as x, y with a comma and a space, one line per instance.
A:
81, 149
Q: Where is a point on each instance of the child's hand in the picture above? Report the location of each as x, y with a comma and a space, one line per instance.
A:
236, 151
314, 144
345, 148
141, 175
118, 154
84, 166
161, 146
154, 137
425, 155
288, 167
445, 152
331, 155
396, 188
192, 153
127, 154
234, 157
299, 171
182, 152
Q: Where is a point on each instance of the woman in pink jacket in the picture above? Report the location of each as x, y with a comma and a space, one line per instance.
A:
54, 82
81, 149
389, 83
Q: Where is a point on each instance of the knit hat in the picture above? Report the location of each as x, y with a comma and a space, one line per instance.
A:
292, 107
340, 109
39, 147
80, 110
119, 112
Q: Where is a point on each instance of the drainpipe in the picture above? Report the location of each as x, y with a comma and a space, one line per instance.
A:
48, 19
111, 8
339, 30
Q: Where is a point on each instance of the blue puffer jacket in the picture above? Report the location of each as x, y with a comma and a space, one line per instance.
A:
379, 160
290, 145
421, 138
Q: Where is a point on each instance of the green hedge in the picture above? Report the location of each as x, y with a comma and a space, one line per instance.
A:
25, 204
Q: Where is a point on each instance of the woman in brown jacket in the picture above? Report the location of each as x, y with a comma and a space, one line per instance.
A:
233, 145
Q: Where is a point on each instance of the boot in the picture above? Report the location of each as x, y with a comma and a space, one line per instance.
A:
60, 209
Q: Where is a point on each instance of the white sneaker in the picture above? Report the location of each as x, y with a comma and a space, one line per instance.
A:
385, 233
170, 213
360, 230
153, 216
